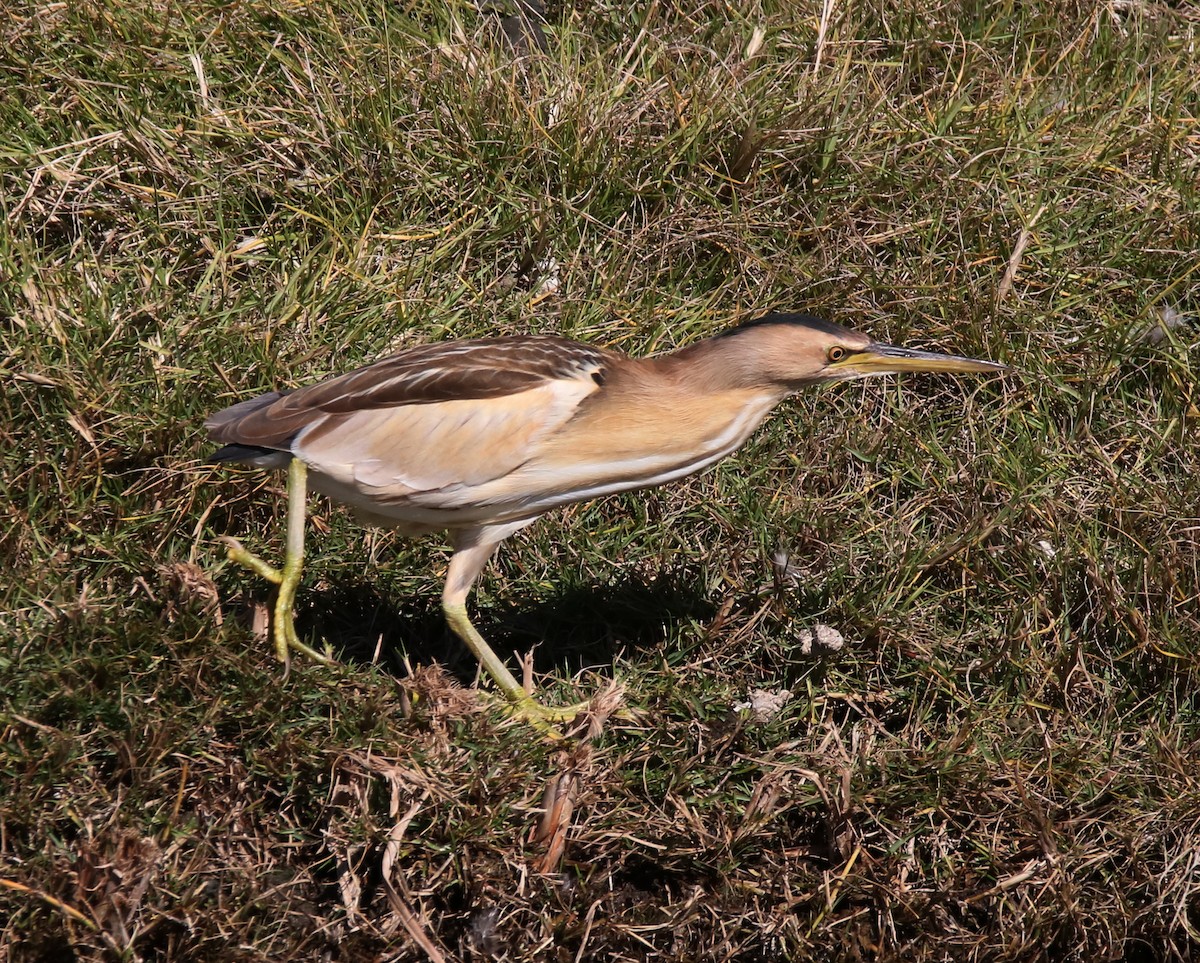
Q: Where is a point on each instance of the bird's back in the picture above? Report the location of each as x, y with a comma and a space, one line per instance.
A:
469, 370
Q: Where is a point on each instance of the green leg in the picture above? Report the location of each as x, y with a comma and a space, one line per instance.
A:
460, 624
283, 625
465, 565
520, 704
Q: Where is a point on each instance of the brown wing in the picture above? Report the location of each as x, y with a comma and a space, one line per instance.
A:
428, 374
458, 371
436, 417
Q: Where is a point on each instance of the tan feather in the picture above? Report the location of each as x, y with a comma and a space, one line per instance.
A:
428, 374
389, 453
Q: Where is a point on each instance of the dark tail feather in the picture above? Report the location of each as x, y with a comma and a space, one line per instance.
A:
251, 455
223, 426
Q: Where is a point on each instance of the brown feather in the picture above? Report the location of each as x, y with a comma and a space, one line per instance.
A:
428, 374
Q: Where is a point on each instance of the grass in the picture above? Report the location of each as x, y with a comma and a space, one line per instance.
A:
204, 201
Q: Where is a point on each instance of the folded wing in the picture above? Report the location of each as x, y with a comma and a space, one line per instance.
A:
437, 417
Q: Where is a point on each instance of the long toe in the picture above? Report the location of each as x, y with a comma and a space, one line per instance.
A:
287, 641
236, 552
590, 715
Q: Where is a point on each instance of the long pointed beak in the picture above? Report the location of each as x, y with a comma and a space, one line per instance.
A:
885, 359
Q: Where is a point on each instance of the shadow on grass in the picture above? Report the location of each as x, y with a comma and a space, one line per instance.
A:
580, 627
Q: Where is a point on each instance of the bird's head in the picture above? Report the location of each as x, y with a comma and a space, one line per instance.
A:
796, 350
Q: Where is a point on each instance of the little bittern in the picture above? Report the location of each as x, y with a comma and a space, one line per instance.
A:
481, 437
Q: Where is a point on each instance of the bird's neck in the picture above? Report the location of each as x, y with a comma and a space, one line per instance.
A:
717, 365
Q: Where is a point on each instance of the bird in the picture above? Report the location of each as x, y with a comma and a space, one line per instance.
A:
480, 437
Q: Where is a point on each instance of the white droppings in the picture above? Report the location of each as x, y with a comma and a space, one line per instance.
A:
764, 704
821, 640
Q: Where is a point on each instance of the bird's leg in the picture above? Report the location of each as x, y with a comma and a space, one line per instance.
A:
283, 625
466, 563
465, 566
283, 619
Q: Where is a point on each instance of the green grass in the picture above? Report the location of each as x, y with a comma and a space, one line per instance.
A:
205, 201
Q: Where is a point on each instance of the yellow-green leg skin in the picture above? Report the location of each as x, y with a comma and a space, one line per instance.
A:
472, 549
520, 704
283, 625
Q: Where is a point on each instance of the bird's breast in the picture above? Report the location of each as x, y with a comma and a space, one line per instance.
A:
640, 443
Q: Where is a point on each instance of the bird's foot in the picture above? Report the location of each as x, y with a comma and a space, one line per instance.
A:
283, 624
583, 718
536, 716
235, 551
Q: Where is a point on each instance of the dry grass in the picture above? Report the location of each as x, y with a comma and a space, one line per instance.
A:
205, 201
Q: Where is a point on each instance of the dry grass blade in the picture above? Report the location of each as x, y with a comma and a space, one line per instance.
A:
558, 804
411, 922
1014, 260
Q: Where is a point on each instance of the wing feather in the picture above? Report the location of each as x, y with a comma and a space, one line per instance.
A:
390, 454
432, 374
436, 417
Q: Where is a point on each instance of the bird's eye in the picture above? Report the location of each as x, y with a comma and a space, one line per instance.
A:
836, 353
